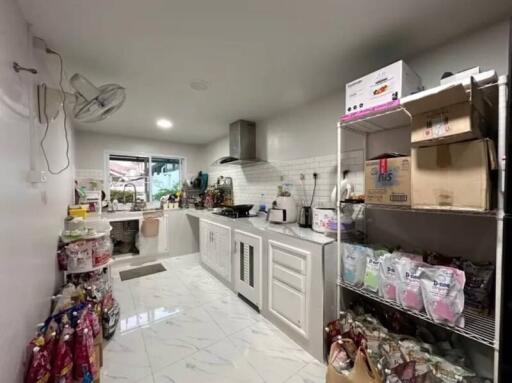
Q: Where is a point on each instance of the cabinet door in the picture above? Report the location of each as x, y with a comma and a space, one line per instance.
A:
289, 304
205, 242
222, 249
289, 284
248, 266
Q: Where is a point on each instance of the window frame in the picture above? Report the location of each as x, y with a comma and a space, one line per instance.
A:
106, 167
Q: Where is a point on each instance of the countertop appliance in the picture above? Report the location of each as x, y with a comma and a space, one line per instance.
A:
283, 210
305, 216
322, 217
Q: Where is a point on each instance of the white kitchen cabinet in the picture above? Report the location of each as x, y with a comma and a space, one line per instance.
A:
182, 233
215, 247
289, 285
248, 265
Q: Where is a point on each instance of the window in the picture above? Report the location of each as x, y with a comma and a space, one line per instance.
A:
148, 177
165, 176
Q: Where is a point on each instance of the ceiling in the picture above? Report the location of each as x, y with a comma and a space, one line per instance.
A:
259, 57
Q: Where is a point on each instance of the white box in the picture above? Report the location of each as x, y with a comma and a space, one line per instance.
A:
385, 86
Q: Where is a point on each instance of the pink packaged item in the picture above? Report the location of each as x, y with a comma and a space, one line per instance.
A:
443, 294
79, 256
409, 286
101, 251
388, 277
84, 356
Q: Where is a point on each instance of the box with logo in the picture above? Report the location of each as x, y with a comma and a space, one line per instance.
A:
387, 181
380, 88
454, 176
446, 114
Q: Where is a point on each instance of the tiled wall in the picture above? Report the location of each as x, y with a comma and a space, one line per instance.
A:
252, 180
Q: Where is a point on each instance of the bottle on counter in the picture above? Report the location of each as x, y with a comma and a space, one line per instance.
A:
262, 207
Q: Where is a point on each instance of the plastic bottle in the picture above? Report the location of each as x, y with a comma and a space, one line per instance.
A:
262, 205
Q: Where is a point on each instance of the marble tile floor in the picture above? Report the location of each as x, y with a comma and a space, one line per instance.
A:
184, 326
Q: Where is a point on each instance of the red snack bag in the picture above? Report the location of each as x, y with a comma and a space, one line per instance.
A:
93, 320
62, 369
39, 366
84, 356
51, 339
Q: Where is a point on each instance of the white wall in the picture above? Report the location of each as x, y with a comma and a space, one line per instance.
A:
32, 216
91, 147
214, 150
310, 130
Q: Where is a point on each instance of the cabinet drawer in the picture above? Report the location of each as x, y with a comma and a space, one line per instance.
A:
288, 258
289, 304
292, 279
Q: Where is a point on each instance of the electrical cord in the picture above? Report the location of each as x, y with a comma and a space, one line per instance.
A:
63, 98
315, 175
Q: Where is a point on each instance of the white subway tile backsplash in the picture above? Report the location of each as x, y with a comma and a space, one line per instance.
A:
253, 180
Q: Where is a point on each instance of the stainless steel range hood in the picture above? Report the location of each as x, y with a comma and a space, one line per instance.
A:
242, 144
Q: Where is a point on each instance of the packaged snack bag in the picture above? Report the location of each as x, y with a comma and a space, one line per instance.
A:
448, 372
93, 320
443, 294
409, 286
39, 365
354, 263
479, 285
390, 349
371, 275
62, 369
84, 356
388, 277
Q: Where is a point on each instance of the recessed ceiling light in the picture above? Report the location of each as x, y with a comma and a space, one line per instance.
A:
199, 85
164, 123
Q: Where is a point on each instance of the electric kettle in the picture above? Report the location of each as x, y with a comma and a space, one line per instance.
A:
305, 216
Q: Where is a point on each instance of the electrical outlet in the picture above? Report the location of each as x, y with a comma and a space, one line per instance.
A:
302, 176
36, 176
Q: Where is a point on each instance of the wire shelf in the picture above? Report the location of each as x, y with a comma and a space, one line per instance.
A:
395, 117
408, 209
478, 327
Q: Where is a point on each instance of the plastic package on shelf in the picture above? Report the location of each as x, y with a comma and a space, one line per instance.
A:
409, 285
371, 276
101, 251
354, 263
388, 277
79, 256
443, 294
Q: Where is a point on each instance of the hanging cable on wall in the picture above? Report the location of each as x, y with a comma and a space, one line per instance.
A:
91, 103
47, 120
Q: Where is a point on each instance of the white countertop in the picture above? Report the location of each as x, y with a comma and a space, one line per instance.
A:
260, 223
125, 215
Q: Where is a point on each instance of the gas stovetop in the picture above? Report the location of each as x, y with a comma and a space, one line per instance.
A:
233, 213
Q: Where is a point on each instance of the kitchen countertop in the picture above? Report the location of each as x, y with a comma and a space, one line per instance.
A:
260, 223
125, 215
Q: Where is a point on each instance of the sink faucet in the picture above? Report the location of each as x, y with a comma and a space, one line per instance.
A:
134, 193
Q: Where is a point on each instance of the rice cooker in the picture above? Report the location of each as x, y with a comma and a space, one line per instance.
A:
323, 217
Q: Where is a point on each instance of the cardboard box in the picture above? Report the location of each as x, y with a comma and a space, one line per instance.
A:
446, 114
381, 87
387, 181
453, 176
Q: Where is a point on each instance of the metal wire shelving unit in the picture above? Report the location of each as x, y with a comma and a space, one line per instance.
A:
478, 327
